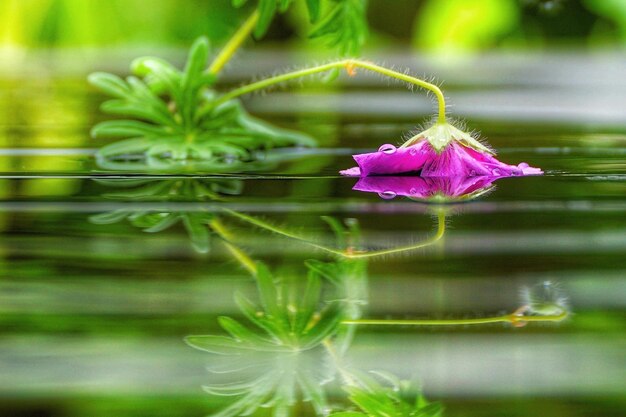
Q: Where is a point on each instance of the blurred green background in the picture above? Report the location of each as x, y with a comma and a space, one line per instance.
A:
433, 25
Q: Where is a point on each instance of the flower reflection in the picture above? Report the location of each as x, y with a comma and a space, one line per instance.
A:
434, 189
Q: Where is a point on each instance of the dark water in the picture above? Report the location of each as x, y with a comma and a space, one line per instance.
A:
94, 308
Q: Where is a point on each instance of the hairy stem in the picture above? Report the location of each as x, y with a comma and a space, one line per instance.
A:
350, 254
234, 43
243, 258
350, 65
514, 318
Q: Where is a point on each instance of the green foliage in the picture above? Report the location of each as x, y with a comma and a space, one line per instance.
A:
171, 117
282, 322
397, 399
196, 224
280, 344
343, 25
614, 10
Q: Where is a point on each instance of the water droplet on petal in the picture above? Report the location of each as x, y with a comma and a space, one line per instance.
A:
523, 165
472, 173
387, 149
413, 151
413, 191
496, 172
387, 195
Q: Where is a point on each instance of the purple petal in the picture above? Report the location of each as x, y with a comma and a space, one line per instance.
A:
389, 160
455, 160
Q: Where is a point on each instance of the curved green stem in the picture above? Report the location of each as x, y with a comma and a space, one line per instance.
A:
514, 318
349, 65
350, 254
234, 43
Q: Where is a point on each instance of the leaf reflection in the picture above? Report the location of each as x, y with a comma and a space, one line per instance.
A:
196, 224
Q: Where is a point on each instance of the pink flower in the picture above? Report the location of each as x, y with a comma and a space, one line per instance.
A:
435, 189
441, 151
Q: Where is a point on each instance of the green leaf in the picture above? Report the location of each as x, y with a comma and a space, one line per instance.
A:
327, 270
373, 403
139, 110
239, 3
159, 74
232, 389
309, 302
283, 5
217, 344
431, 410
344, 27
241, 333
314, 9
192, 75
110, 84
109, 218
145, 219
314, 392
125, 128
198, 232
125, 147
167, 221
267, 290
267, 10
328, 324
250, 311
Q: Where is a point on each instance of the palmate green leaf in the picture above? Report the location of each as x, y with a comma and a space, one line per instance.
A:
344, 27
